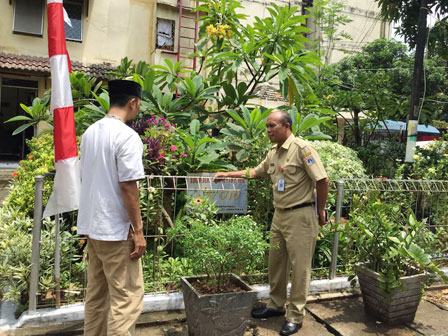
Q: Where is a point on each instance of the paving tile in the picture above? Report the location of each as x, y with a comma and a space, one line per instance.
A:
430, 320
348, 318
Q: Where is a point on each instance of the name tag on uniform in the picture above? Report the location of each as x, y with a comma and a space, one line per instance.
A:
281, 184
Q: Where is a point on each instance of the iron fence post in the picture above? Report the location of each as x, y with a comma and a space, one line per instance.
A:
57, 261
334, 254
35, 254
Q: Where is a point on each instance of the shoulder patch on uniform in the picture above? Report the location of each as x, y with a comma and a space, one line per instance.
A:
309, 160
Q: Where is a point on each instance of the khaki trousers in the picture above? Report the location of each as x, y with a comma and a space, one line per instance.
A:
114, 298
292, 243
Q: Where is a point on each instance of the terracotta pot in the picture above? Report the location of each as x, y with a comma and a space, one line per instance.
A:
217, 314
393, 308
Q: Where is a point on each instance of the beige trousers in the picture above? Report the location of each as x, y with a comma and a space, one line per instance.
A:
114, 298
292, 243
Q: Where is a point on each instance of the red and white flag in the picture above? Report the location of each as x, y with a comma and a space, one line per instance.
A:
65, 195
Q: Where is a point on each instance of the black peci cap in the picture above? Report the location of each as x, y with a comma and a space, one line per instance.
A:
125, 87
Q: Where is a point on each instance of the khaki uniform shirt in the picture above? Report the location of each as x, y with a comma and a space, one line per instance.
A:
298, 163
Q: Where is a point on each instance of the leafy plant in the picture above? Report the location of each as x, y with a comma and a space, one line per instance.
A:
202, 151
248, 133
91, 112
218, 247
39, 161
37, 112
308, 126
339, 161
162, 145
390, 240
15, 257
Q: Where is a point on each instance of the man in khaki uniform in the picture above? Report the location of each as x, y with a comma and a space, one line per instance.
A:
296, 171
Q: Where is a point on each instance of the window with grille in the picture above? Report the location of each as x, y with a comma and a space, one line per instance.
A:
28, 17
165, 34
74, 11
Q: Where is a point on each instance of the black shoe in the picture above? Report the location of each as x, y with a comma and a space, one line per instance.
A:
290, 328
265, 312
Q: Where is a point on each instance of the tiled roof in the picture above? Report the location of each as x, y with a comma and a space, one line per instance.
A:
269, 92
41, 64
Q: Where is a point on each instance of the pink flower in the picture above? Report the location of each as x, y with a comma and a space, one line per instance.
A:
173, 148
183, 154
405, 228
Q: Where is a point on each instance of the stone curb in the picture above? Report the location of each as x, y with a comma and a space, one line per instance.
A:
151, 303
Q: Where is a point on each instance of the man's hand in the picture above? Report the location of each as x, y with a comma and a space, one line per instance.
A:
322, 218
139, 245
219, 176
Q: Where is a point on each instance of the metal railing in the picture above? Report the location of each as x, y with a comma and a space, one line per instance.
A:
171, 187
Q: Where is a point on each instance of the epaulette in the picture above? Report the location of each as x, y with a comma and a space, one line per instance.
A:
301, 143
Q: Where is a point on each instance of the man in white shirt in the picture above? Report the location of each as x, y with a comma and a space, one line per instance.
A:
109, 215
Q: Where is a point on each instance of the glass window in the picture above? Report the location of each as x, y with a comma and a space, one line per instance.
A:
28, 17
74, 11
165, 34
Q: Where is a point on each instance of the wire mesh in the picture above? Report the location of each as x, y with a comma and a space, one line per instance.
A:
163, 199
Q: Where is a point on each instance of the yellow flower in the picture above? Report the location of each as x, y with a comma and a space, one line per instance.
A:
211, 30
416, 157
432, 170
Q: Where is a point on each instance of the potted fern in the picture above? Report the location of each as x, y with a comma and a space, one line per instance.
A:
217, 301
393, 264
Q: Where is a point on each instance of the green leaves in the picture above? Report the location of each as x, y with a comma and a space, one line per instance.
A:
389, 239
216, 247
38, 111
202, 151
249, 129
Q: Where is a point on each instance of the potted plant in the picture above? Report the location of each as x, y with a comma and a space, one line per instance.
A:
394, 266
217, 301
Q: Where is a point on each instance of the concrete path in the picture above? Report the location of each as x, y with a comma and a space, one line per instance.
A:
328, 314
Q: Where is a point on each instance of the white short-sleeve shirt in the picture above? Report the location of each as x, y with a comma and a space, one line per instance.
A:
111, 152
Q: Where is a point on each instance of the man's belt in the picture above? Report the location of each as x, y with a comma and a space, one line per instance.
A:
298, 206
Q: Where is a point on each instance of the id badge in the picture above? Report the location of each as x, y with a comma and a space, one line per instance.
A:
281, 184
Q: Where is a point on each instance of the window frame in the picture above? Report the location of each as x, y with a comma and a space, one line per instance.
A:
173, 25
25, 32
81, 4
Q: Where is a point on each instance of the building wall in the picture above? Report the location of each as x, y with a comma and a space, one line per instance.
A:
366, 26
113, 29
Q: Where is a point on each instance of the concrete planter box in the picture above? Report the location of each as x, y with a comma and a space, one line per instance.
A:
217, 314
397, 307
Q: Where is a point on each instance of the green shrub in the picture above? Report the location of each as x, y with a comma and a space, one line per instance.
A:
431, 161
39, 161
382, 159
339, 161
15, 261
218, 247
